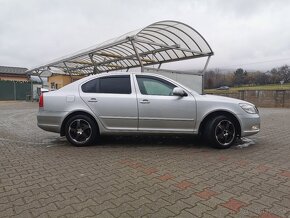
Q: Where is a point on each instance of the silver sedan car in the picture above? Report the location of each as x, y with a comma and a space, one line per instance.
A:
130, 103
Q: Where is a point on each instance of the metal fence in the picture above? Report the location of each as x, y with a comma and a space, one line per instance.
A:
261, 98
14, 90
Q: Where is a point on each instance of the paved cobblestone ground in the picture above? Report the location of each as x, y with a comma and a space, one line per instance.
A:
41, 175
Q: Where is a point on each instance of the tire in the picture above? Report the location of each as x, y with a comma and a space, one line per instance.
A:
81, 130
221, 132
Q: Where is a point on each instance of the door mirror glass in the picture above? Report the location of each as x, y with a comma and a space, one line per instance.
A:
179, 92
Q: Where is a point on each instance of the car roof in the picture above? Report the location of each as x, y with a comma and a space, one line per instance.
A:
87, 78
115, 73
123, 73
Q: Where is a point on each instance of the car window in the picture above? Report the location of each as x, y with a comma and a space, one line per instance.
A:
110, 84
115, 84
149, 85
91, 86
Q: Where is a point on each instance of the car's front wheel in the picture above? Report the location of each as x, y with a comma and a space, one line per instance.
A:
221, 132
81, 130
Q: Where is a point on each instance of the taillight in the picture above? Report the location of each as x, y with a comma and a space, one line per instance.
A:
41, 100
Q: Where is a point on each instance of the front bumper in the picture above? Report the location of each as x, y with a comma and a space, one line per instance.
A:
50, 121
250, 124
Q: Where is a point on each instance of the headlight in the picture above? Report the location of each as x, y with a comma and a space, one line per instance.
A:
250, 109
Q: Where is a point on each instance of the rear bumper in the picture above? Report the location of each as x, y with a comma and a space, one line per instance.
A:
50, 121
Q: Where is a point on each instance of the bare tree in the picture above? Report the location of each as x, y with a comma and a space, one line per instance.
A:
284, 73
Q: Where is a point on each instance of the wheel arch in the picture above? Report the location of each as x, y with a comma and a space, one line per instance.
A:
213, 114
74, 113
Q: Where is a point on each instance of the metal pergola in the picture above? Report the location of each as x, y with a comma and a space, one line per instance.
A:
158, 43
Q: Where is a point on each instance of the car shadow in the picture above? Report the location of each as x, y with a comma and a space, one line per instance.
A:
151, 141
136, 141
174, 141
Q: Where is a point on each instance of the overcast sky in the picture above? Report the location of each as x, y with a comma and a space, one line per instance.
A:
245, 33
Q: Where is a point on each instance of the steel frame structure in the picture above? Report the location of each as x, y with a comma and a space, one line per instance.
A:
159, 43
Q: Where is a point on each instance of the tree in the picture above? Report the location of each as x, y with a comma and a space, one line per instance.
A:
274, 76
239, 76
284, 73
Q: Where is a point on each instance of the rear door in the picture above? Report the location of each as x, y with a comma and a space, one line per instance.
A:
113, 99
161, 111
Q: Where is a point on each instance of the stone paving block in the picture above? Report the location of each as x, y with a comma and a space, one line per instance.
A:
83, 213
123, 191
285, 173
42, 175
141, 186
285, 202
156, 195
275, 193
183, 185
233, 204
157, 205
139, 193
279, 210
156, 187
219, 211
256, 208
287, 183
199, 209
162, 213
67, 202
9, 212
166, 177
105, 214
82, 205
68, 210
106, 197
212, 202
140, 212
206, 194
267, 201
243, 213
19, 209
139, 202
185, 214
224, 195
27, 214
174, 197
99, 208
38, 211
178, 207
246, 198
268, 215
123, 208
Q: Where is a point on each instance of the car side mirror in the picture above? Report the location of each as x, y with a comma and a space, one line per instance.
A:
179, 92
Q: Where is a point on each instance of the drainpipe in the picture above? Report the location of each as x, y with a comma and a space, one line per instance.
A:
14, 86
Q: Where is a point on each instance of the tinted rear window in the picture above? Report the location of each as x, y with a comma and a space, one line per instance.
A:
110, 84
91, 87
115, 84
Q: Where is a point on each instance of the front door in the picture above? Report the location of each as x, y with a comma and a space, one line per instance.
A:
160, 110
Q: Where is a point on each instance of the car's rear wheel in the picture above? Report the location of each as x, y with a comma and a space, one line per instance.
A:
81, 130
221, 132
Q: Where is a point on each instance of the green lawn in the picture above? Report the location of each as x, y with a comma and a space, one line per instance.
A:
285, 86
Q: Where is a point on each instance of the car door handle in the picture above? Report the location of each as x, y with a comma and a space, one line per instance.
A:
145, 101
93, 100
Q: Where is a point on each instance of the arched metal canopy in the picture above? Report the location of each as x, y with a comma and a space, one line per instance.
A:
158, 43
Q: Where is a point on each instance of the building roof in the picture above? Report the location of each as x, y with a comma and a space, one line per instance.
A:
158, 43
13, 70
